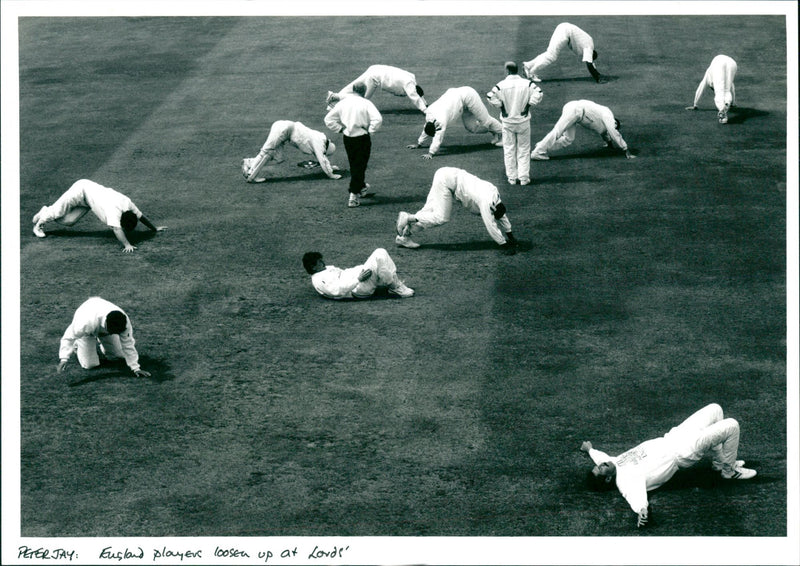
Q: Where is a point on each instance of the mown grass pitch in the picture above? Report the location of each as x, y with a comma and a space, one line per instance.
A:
645, 288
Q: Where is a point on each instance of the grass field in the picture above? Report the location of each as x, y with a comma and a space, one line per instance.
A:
644, 290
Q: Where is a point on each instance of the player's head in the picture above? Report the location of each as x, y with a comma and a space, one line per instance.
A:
312, 262
128, 220
601, 477
116, 321
499, 211
617, 124
360, 89
419, 90
330, 147
511, 68
430, 128
594, 55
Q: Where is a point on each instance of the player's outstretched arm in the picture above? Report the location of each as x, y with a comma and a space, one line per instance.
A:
144, 220
595, 73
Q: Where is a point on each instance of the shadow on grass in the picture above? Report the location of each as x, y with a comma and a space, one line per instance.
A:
317, 174
115, 369
463, 149
587, 78
704, 477
599, 153
403, 112
475, 245
133, 237
738, 115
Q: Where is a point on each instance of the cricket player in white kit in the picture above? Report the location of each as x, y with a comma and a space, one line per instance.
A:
719, 78
98, 322
588, 114
477, 196
297, 134
460, 102
391, 79
112, 208
651, 464
359, 282
569, 36
515, 96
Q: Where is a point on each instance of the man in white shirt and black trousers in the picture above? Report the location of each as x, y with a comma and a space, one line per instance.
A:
356, 118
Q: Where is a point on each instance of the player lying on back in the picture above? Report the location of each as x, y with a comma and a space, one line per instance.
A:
300, 136
358, 282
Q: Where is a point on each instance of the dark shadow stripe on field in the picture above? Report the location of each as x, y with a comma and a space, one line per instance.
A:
77, 61
115, 369
737, 115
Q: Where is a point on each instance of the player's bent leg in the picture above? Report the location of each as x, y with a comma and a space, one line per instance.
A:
72, 216
87, 352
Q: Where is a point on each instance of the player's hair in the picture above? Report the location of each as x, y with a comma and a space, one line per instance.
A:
511, 67
360, 89
499, 211
599, 483
310, 259
617, 124
429, 129
116, 321
594, 54
128, 220
419, 90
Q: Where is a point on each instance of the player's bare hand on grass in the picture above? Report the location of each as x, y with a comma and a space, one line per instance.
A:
641, 518
336, 176
427, 156
128, 249
141, 373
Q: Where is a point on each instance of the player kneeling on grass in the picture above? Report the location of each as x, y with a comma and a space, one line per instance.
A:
297, 134
110, 206
652, 463
719, 78
590, 115
359, 282
99, 323
477, 196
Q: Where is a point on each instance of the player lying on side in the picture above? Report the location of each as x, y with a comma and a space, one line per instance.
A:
652, 463
98, 323
359, 282
300, 136
477, 196
113, 208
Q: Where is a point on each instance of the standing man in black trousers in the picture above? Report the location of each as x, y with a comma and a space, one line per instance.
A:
356, 118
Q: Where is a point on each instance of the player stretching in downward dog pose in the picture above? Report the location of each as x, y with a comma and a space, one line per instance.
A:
572, 37
463, 102
719, 78
591, 116
477, 196
652, 463
297, 134
113, 208
391, 79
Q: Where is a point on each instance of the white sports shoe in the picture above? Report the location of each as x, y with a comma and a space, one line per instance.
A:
539, 156
37, 230
406, 242
353, 201
723, 116
737, 464
401, 290
739, 473
535, 78
402, 222
524, 181
365, 191
38, 215
512, 181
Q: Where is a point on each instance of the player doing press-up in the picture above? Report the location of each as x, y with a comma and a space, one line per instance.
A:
477, 196
460, 102
568, 36
297, 134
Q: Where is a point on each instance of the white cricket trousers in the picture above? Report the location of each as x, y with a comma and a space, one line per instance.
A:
438, 206
706, 432
517, 150
280, 133
69, 208
476, 117
563, 133
722, 78
87, 349
557, 42
384, 273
